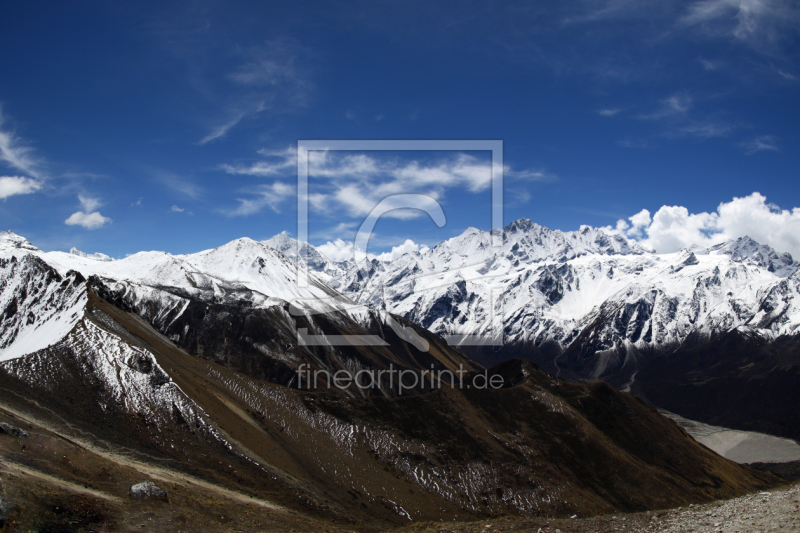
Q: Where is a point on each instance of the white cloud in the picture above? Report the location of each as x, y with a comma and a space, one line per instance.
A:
356, 182
176, 209
759, 144
609, 112
87, 220
88, 203
336, 232
271, 196
399, 251
222, 129
673, 227
13, 185
178, 183
342, 250
703, 129
764, 25
634, 143
269, 77
337, 250
280, 162
15, 154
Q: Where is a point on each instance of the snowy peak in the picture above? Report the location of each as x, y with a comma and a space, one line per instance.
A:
292, 248
39, 306
530, 241
11, 241
746, 250
96, 256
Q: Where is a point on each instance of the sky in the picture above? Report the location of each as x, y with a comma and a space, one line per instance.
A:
128, 126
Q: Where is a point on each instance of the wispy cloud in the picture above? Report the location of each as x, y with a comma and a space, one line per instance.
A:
356, 182
634, 143
176, 209
89, 203
678, 118
278, 162
608, 112
753, 21
269, 77
222, 129
710, 65
702, 129
272, 196
16, 154
677, 104
339, 231
177, 183
760, 144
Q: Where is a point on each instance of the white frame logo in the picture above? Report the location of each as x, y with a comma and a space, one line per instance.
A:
396, 202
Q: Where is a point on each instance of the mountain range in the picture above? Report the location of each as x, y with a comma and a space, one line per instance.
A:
592, 304
182, 369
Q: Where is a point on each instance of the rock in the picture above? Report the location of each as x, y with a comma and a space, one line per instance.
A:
8, 429
147, 489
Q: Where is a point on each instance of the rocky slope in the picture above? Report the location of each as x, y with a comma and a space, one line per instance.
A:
763, 512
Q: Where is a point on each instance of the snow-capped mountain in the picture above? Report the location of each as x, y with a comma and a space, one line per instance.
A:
602, 298
96, 256
243, 303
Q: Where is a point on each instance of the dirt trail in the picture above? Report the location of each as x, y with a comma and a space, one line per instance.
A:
15, 469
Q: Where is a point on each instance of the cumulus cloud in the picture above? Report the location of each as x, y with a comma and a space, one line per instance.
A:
337, 250
13, 185
399, 251
88, 218
672, 228
342, 250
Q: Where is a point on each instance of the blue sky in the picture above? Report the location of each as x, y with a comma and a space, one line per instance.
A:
141, 125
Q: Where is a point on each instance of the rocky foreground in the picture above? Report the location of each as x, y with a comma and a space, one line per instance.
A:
777, 510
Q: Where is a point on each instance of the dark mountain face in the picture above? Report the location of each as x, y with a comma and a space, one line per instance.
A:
263, 342
736, 380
